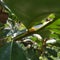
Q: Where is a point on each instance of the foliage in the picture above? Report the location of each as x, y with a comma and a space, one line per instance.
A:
29, 30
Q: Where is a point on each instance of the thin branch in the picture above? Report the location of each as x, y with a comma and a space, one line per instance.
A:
32, 32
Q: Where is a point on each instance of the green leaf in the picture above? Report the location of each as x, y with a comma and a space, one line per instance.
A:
12, 51
55, 24
54, 28
17, 52
5, 52
31, 12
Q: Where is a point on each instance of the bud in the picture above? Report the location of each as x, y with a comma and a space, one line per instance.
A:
37, 36
52, 41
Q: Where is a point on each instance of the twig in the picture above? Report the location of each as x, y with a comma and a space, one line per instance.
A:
32, 32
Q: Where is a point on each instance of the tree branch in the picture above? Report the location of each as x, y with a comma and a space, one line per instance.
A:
27, 33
